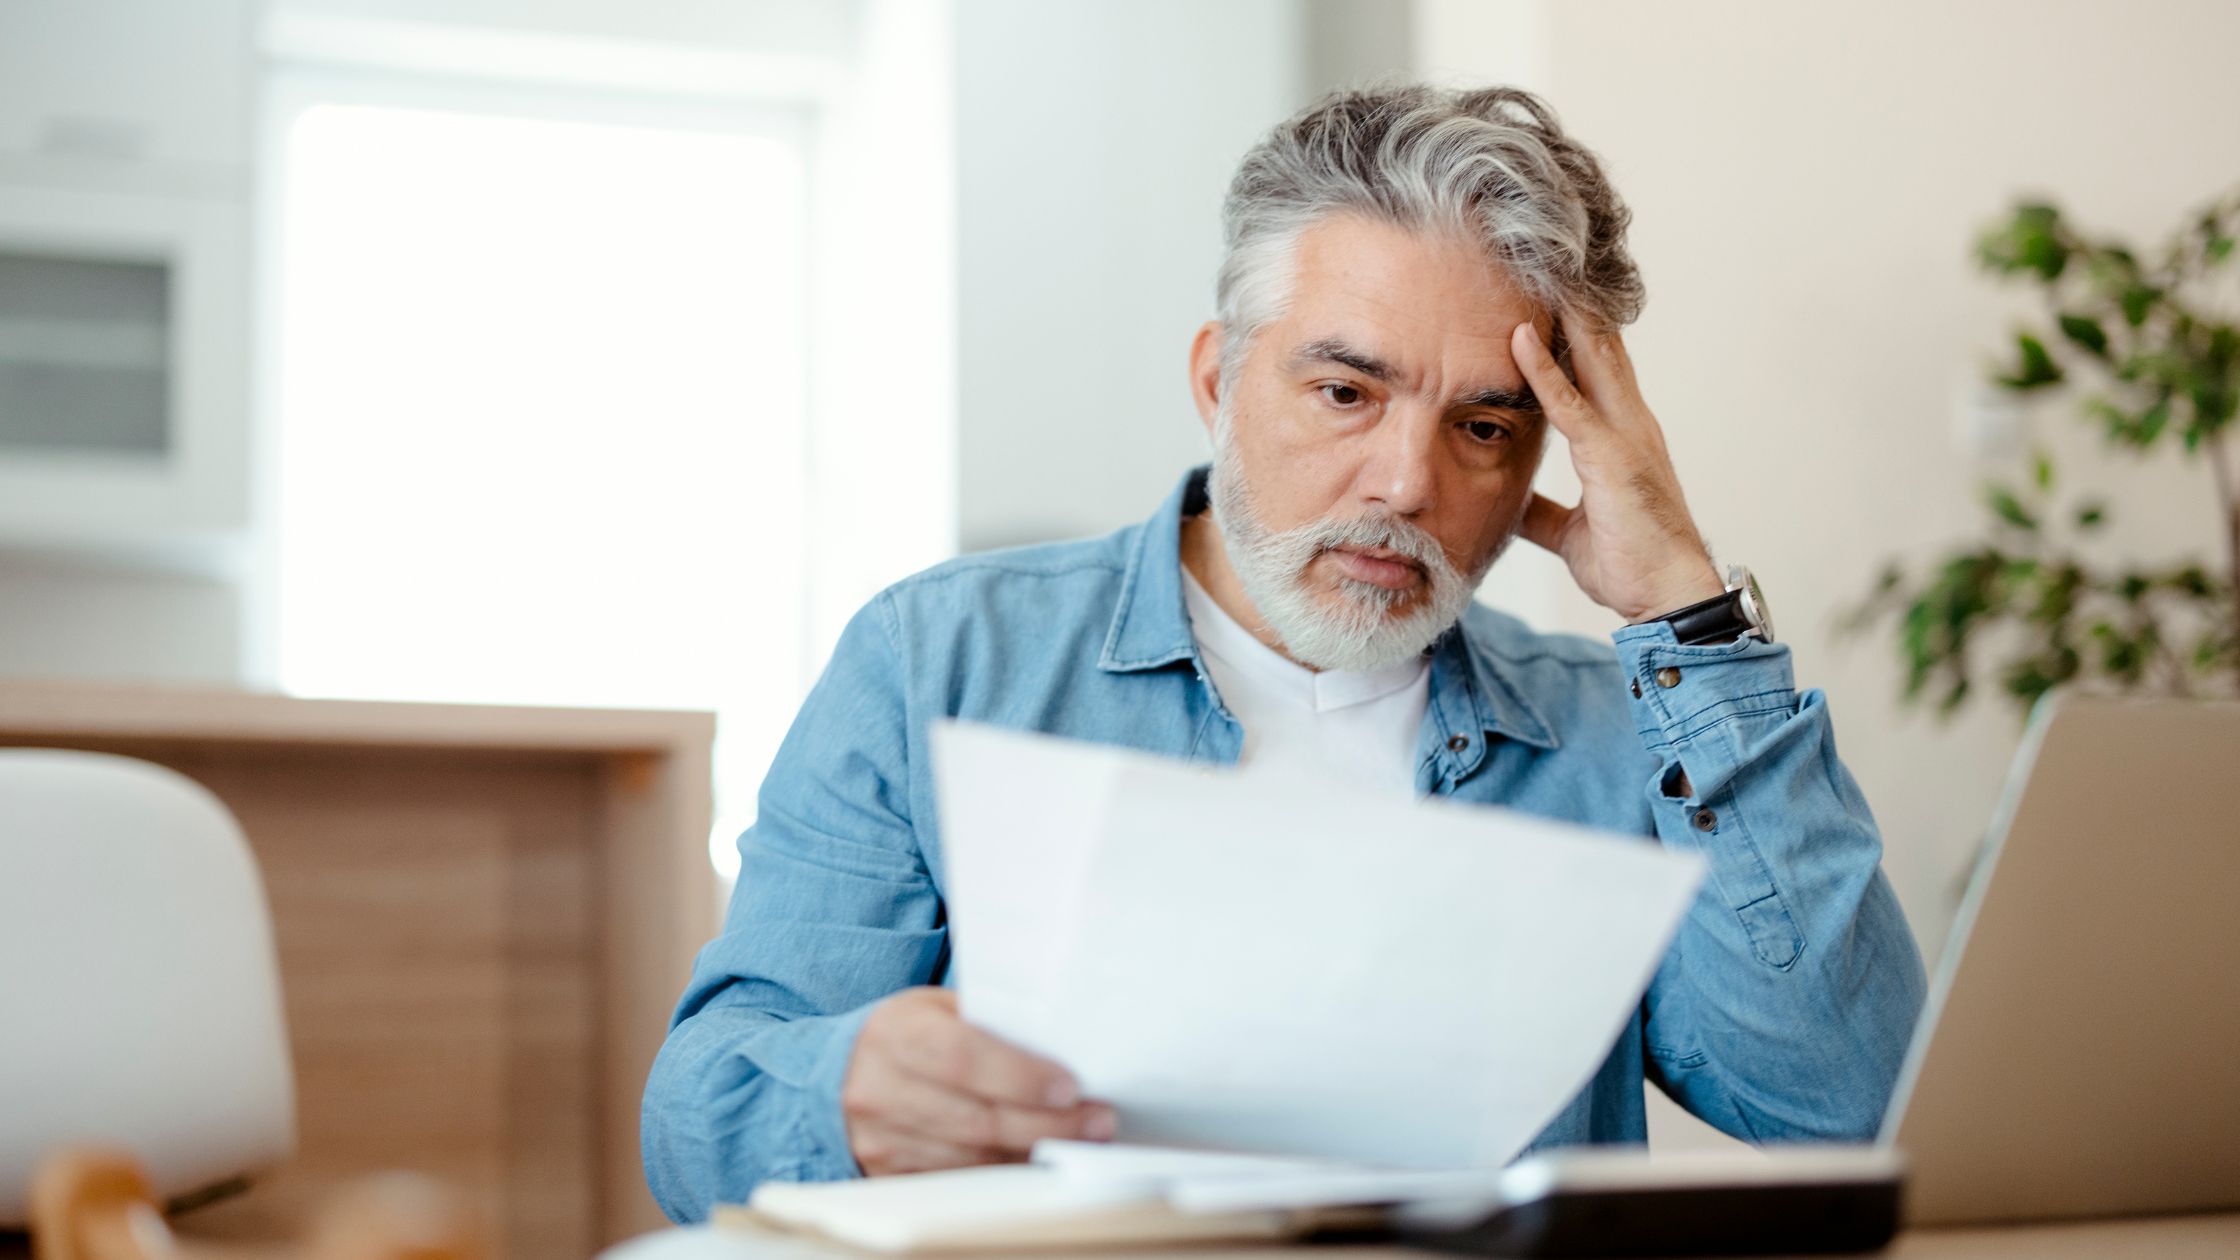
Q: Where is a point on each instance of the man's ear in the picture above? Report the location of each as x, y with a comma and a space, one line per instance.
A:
1205, 372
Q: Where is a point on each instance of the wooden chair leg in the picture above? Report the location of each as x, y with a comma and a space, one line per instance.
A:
95, 1204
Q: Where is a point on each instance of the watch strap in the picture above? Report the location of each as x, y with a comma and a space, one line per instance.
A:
1719, 619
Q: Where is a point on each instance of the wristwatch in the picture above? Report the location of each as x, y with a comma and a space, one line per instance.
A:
1725, 617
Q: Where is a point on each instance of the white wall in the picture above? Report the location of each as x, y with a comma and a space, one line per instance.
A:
883, 317
818, 28
1094, 144
1356, 43
63, 616
147, 95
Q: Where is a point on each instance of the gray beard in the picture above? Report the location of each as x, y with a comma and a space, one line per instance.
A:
1359, 629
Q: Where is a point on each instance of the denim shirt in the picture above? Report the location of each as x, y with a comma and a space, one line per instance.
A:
1780, 1012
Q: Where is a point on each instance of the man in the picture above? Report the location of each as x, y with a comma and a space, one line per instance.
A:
1404, 271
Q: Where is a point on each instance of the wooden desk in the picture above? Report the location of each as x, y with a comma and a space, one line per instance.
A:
483, 916
2208, 1237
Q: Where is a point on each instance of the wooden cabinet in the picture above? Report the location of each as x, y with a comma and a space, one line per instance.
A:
483, 917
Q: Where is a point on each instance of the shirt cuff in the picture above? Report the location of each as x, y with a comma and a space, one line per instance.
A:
1703, 699
810, 1055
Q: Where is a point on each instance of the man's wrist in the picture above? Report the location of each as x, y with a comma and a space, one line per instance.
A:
1706, 585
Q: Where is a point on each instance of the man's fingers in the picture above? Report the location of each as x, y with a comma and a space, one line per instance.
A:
1560, 400
997, 1126
1598, 357
948, 1051
1621, 359
884, 1148
942, 1112
1544, 522
884, 1094
1019, 1128
1004, 1073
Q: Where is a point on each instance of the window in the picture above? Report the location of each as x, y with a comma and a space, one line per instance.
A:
540, 413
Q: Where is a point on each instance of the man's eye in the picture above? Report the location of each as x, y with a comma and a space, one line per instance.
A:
1486, 431
1341, 395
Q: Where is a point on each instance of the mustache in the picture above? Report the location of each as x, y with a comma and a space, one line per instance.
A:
1384, 533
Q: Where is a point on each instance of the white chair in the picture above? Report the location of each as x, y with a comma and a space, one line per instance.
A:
139, 993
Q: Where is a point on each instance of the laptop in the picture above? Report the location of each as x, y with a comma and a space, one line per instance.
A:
2080, 1051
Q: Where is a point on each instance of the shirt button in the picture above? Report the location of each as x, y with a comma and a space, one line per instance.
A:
1458, 743
1636, 685
1705, 820
1669, 676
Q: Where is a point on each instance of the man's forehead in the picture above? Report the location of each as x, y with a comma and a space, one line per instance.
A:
1349, 268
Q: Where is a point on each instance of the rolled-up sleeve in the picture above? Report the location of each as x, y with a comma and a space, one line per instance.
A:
834, 910
1785, 1006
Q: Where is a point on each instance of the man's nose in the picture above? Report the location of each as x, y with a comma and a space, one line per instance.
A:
1401, 471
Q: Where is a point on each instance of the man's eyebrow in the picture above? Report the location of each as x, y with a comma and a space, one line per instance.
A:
1332, 350
1519, 400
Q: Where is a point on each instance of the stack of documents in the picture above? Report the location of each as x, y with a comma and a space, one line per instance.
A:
1296, 995
1576, 1201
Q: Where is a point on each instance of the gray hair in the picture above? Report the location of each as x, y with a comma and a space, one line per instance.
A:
1491, 165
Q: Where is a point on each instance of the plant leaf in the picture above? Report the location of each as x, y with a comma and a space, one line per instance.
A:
2151, 422
2086, 332
2192, 580
2009, 508
2028, 241
2037, 368
2117, 420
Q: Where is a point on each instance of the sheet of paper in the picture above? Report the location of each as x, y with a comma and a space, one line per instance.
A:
1260, 964
1029, 808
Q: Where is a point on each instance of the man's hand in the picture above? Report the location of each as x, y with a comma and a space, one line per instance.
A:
927, 1090
1631, 544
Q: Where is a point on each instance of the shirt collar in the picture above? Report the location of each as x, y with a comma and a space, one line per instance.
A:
1151, 629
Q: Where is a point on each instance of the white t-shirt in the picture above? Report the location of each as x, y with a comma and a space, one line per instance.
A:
1361, 726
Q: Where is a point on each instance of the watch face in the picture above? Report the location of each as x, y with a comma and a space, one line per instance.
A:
1753, 601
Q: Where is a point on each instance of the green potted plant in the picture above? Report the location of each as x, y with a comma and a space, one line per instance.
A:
2147, 350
